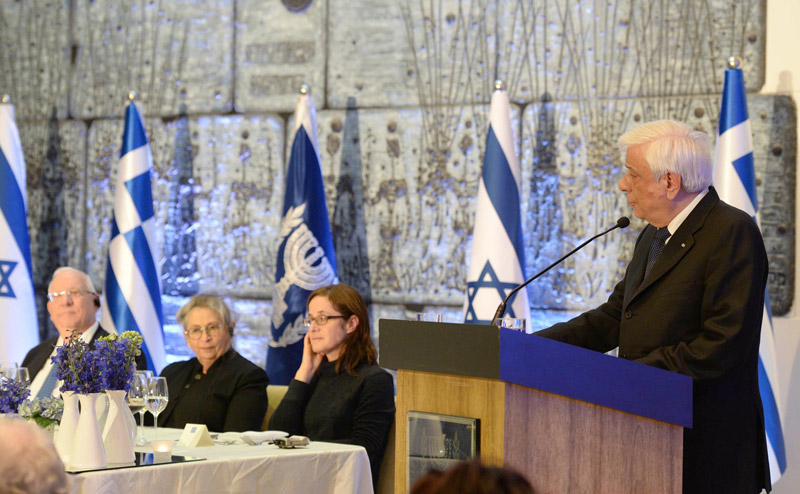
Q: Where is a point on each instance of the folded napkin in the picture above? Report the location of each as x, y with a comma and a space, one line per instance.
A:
249, 437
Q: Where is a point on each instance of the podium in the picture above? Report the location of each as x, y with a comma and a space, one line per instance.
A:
569, 419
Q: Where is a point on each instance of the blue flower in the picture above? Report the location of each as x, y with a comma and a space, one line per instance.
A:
12, 394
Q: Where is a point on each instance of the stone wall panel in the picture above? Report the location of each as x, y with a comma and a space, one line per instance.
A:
171, 53
55, 159
277, 51
35, 57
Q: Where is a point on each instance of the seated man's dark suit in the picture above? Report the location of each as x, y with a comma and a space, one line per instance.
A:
697, 313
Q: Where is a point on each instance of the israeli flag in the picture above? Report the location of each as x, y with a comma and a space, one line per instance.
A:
132, 300
734, 178
19, 329
306, 259
497, 262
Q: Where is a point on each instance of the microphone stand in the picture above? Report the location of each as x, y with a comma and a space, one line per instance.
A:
621, 223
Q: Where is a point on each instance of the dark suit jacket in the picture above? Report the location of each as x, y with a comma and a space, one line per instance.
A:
697, 313
232, 396
38, 355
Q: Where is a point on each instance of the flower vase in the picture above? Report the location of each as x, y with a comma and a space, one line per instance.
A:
87, 444
117, 433
67, 426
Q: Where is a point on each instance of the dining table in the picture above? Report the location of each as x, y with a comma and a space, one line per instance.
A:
233, 466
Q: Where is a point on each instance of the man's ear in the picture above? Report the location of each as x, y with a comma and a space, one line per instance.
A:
673, 182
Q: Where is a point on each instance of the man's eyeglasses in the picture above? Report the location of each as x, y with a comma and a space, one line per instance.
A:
212, 329
52, 296
319, 320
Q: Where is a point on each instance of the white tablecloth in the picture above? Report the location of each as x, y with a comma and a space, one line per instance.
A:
317, 468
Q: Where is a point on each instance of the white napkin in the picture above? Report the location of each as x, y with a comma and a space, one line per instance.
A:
252, 438
257, 437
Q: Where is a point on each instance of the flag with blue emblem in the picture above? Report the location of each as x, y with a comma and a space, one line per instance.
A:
19, 329
735, 180
497, 261
132, 294
306, 259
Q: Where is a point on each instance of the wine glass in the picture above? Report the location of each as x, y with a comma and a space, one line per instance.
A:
136, 397
19, 374
6, 365
156, 399
145, 376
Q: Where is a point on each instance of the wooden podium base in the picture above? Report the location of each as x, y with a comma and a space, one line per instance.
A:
560, 444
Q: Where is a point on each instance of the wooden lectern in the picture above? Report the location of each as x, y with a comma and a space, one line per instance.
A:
571, 420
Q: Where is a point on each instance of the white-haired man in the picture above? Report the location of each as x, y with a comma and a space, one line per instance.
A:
691, 302
29, 463
72, 305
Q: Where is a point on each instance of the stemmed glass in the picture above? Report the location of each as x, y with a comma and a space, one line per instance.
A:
136, 397
19, 374
7, 367
156, 399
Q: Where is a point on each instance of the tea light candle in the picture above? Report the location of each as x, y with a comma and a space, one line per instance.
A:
162, 450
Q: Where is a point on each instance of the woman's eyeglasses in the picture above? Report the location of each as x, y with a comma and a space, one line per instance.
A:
319, 320
212, 329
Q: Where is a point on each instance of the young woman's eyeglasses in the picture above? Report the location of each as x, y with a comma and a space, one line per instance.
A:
319, 320
212, 329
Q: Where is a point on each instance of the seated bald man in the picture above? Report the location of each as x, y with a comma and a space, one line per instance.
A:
72, 305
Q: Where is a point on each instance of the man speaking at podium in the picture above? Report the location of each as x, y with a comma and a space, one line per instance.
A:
691, 302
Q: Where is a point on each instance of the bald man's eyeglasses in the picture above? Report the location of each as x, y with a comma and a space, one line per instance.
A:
52, 296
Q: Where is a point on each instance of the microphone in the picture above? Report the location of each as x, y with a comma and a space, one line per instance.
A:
623, 222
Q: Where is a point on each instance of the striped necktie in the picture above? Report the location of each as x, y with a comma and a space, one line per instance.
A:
49, 384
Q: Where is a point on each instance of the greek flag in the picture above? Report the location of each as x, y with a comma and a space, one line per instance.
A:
734, 178
497, 262
19, 329
132, 292
306, 259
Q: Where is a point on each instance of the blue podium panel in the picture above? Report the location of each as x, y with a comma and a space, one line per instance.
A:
594, 377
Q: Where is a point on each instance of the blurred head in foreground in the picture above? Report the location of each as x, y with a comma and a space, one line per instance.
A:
29, 463
471, 477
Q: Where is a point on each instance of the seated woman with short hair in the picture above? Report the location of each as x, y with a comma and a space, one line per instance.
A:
339, 394
219, 387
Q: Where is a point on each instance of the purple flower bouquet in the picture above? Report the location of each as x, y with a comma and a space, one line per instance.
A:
109, 365
12, 394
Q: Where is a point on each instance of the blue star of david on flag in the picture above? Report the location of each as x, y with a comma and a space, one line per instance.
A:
6, 267
488, 281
